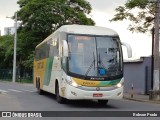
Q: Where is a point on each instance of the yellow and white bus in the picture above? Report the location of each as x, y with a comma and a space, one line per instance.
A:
80, 62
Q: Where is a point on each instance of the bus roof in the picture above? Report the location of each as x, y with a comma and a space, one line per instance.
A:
83, 29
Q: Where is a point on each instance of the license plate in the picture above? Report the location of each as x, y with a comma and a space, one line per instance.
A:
97, 95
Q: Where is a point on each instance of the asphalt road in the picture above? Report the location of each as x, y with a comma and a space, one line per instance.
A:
24, 97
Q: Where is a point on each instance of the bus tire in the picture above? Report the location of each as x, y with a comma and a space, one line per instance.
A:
103, 102
41, 92
36, 83
59, 99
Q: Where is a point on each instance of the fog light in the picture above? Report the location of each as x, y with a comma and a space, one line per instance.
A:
74, 93
118, 93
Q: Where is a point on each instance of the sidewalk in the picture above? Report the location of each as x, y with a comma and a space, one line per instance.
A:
140, 98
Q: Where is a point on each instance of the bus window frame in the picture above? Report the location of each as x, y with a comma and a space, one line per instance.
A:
92, 77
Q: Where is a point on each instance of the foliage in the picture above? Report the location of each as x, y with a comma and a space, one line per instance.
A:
141, 13
6, 51
39, 18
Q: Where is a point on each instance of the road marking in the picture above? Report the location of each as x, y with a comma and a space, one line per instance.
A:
3, 91
28, 90
14, 90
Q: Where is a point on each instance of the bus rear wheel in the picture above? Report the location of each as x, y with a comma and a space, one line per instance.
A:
41, 92
59, 99
103, 102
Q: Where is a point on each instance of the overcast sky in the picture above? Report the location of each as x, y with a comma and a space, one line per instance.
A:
102, 12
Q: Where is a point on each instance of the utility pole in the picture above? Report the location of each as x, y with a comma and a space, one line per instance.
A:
156, 50
15, 47
155, 93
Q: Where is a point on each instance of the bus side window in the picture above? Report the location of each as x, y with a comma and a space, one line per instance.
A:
37, 54
53, 48
57, 43
53, 51
43, 51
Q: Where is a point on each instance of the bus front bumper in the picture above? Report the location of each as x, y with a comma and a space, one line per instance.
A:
74, 93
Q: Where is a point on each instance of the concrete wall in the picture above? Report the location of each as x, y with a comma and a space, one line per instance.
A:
138, 73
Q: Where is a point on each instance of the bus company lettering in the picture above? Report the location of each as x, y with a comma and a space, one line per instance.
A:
40, 65
89, 83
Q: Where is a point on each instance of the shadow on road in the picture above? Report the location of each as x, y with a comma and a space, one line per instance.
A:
81, 103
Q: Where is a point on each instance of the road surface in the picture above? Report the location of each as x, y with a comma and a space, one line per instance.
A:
24, 97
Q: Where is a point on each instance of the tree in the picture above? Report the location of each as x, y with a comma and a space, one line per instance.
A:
45, 16
42, 17
6, 51
141, 13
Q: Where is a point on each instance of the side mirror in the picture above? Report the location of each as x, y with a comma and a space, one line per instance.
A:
129, 49
65, 48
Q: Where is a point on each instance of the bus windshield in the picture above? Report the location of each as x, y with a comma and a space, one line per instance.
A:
94, 56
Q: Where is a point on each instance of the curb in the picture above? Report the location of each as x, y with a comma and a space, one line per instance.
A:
140, 100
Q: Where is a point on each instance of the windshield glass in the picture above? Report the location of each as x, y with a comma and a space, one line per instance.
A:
94, 56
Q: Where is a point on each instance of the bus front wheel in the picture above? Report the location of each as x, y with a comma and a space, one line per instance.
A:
102, 102
59, 99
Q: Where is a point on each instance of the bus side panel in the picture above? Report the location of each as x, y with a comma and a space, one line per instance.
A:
53, 72
56, 73
39, 71
48, 70
34, 73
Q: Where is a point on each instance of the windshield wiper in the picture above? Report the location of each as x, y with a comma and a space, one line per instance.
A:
100, 61
111, 60
93, 63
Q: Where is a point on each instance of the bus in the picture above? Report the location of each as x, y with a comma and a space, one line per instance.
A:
80, 62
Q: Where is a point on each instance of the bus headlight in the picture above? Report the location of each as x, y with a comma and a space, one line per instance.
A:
119, 85
71, 82
74, 84
68, 80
